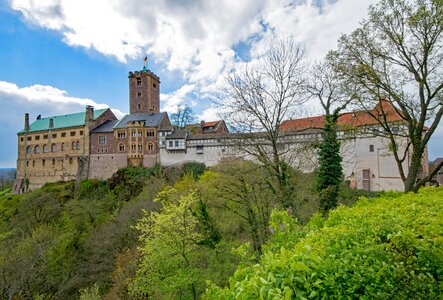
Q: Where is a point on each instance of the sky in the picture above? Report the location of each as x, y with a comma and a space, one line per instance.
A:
57, 56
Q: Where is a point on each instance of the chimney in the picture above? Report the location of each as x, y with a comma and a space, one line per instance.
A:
26, 122
89, 116
51, 123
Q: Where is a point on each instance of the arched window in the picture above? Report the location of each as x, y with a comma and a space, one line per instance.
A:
371, 148
77, 145
150, 146
53, 148
29, 150
121, 147
37, 149
70, 160
43, 162
73, 145
45, 149
33, 163
139, 94
53, 162
27, 163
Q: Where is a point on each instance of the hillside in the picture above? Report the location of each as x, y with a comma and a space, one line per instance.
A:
166, 233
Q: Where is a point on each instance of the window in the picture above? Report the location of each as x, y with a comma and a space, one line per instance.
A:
121, 147
72, 133
150, 133
134, 147
199, 149
139, 106
140, 148
29, 150
139, 94
121, 135
54, 135
33, 163
371, 148
154, 85
63, 134
37, 150
70, 160
150, 146
43, 162
63, 147
45, 136
77, 145
53, 162
29, 138
45, 149
53, 148
170, 144
37, 137
81, 132
27, 163
21, 139
134, 133
139, 81
102, 140
164, 143
73, 146
176, 143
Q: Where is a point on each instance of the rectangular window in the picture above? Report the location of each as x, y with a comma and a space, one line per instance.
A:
72, 133
102, 140
170, 144
63, 134
134, 147
21, 139
37, 137
140, 148
54, 135
29, 138
81, 132
176, 143
45, 136
199, 149
121, 135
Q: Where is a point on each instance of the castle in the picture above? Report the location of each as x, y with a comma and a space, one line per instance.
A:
95, 144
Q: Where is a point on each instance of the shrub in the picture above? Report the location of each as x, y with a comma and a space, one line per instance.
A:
390, 247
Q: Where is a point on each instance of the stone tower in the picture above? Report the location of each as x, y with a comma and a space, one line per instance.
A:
144, 92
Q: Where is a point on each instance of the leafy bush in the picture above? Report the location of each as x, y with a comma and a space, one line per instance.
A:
390, 247
194, 168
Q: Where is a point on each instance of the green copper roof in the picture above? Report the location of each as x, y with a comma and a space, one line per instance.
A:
63, 121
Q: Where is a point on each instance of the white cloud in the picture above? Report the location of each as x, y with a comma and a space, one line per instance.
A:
38, 99
195, 37
171, 101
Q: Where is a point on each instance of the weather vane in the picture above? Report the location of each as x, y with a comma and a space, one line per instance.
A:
145, 61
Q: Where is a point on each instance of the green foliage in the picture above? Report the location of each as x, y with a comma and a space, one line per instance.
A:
329, 174
128, 182
390, 247
194, 168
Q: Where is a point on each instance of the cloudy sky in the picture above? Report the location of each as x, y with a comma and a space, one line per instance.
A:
57, 56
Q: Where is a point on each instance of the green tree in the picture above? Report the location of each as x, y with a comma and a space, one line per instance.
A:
334, 95
397, 55
169, 267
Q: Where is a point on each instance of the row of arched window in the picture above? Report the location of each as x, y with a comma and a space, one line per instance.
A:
45, 149
139, 147
53, 161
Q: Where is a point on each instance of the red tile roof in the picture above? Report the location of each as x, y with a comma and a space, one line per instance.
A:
356, 118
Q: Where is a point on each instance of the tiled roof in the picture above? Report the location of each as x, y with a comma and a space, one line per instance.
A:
150, 120
357, 118
108, 126
63, 121
177, 134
